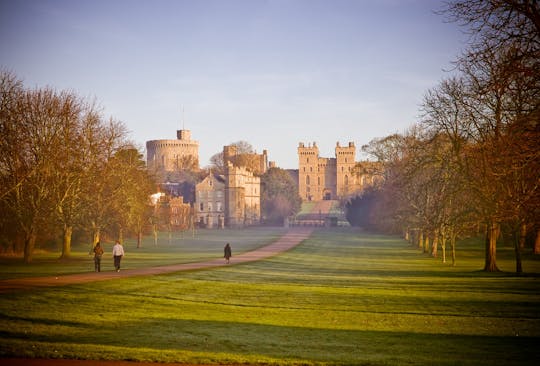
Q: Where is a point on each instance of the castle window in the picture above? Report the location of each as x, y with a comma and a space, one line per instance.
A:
346, 180
201, 207
307, 180
319, 180
307, 161
311, 169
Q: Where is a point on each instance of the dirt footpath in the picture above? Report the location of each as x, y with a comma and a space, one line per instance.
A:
292, 238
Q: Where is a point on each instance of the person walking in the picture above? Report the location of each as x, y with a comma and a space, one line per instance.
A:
118, 253
227, 252
98, 252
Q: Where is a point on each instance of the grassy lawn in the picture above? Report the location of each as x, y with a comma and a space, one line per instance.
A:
178, 248
341, 297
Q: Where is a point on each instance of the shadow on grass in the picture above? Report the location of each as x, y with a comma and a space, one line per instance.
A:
295, 343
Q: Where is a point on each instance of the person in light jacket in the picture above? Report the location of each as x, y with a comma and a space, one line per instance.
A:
118, 253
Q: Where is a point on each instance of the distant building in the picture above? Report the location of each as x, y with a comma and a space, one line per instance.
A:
255, 163
242, 197
231, 200
210, 201
180, 214
164, 156
330, 178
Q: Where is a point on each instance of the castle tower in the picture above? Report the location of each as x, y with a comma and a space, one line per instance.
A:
242, 197
316, 175
345, 162
173, 155
234, 198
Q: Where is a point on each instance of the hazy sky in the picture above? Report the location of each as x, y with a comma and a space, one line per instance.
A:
271, 72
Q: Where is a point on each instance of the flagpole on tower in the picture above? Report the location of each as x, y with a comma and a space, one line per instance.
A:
183, 119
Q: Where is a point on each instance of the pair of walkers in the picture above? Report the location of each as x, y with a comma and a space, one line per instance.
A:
118, 253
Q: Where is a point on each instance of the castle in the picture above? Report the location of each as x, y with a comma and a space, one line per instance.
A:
330, 178
233, 198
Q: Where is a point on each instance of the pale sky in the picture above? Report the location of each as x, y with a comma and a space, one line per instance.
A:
270, 72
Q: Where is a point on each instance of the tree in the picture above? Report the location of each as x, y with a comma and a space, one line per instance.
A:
133, 187
279, 196
35, 124
501, 70
101, 184
360, 210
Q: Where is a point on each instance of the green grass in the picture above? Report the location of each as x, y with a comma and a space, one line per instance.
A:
341, 297
181, 248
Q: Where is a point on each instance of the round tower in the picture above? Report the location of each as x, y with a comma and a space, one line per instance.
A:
173, 155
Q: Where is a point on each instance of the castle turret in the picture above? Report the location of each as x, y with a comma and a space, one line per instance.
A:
173, 155
345, 162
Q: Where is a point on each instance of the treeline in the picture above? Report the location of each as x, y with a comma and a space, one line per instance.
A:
472, 163
64, 168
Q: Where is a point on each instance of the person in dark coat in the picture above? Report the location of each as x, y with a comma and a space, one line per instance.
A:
98, 252
227, 252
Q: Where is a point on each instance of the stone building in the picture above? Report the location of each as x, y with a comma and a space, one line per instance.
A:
232, 200
256, 163
180, 213
210, 201
164, 156
328, 178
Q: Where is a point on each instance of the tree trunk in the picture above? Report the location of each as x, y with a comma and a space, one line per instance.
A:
139, 238
66, 243
155, 232
443, 247
453, 247
121, 235
29, 243
426, 244
522, 236
407, 236
420, 239
517, 249
537, 242
435, 243
492, 233
96, 237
